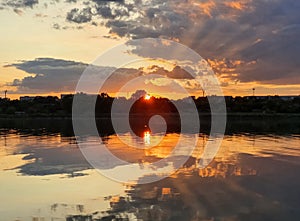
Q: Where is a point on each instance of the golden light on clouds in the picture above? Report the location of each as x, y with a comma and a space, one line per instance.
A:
235, 5
206, 7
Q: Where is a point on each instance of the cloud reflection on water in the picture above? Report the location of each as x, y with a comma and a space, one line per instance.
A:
255, 176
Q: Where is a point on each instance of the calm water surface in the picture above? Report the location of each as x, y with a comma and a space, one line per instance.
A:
255, 175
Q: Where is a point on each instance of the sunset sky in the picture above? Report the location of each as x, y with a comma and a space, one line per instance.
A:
47, 44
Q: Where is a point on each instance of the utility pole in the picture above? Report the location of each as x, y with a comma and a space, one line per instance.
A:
5, 93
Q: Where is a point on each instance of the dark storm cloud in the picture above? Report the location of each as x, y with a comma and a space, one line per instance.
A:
80, 15
19, 3
276, 55
42, 64
57, 75
264, 35
105, 12
49, 75
275, 58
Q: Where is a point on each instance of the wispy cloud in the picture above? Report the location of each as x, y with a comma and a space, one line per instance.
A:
18, 11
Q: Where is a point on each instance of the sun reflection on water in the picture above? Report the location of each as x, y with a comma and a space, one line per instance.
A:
147, 137
54, 168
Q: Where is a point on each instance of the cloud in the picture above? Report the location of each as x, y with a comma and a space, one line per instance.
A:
159, 81
119, 78
71, 1
19, 3
176, 73
18, 11
40, 15
48, 75
261, 34
235, 5
105, 1
79, 16
56, 26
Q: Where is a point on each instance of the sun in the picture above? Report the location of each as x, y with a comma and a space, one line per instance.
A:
147, 97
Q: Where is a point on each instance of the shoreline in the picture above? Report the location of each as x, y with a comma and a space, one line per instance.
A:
107, 116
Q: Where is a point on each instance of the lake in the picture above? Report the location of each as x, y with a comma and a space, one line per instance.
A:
254, 176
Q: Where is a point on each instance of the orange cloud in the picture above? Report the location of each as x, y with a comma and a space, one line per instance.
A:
225, 67
235, 5
206, 7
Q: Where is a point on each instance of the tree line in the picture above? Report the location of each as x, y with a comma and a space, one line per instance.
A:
54, 106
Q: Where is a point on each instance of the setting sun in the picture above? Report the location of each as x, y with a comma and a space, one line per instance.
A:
147, 97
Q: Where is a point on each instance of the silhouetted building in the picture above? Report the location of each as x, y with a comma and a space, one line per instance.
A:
27, 98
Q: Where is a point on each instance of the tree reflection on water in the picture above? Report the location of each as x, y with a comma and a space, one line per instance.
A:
255, 176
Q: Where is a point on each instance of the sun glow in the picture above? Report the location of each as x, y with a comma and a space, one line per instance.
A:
147, 97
